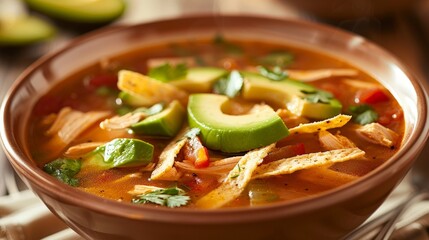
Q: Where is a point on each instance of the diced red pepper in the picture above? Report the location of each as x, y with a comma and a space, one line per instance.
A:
103, 80
286, 152
373, 96
196, 153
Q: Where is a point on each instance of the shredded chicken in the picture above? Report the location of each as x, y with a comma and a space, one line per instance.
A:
325, 177
221, 167
330, 142
82, 149
69, 124
360, 84
293, 164
378, 134
165, 169
236, 181
334, 122
312, 75
122, 122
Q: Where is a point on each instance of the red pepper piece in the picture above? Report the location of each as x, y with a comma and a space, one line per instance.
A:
196, 153
373, 96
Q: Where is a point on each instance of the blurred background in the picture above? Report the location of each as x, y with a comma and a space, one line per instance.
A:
30, 29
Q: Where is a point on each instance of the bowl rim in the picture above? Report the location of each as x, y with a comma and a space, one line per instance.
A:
57, 190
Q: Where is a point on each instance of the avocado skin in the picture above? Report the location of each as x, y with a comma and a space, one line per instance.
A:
226, 135
166, 123
100, 11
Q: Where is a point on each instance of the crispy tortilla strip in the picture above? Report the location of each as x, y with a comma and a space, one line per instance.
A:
334, 122
293, 164
122, 122
378, 134
330, 141
142, 189
165, 169
236, 181
82, 149
312, 75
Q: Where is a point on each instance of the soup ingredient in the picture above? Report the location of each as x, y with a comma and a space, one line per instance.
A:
313, 75
310, 160
166, 123
82, 149
64, 169
216, 167
378, 134
170, 197
195, 152
259, 127
199, 79
297, 97
165, 169
122, 122
236, 181
276, 74
24, 29
334, 122
279, 58
168, 72
363, 114
147, 91
330, 142
372, 96
82, 11
230, 85
260, 192
123, 152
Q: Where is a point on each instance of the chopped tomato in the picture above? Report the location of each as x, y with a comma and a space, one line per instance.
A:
372, 96
286, 152
196, 153
103, 80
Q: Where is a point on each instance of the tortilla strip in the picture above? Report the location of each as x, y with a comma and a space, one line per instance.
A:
293, 164
378, 134
334, 122
236, 181
165, 169
330, 142
312, 75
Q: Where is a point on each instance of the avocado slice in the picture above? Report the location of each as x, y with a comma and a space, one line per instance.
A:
81, 11
166, 123
199, 79
233, 133
23, 30
290, 94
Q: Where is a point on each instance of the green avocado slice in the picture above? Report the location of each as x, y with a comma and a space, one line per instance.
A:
166, 123
233, 133
288, 94
199, 79
82, 11
23, 30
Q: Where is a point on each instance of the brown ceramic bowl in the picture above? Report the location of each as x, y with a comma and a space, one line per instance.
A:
326, 216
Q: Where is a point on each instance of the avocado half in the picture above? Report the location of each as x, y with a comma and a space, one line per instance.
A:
233, 133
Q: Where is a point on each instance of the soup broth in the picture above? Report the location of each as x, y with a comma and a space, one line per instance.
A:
192, 164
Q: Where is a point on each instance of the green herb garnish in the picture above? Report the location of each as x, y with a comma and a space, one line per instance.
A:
230, 85
363, 114
318, 96
238, 171
167, 72
276, 74
170, 197
280, 59
64, 169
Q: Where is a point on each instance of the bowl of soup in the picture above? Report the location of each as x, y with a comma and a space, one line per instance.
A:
215, 127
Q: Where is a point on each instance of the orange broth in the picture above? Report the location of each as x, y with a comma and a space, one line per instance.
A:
77, 94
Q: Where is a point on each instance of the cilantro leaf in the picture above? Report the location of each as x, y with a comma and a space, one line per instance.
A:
170, 197
167, 72
363, 114
276, 74
230, 85
64, 169
280, 59
318, 96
